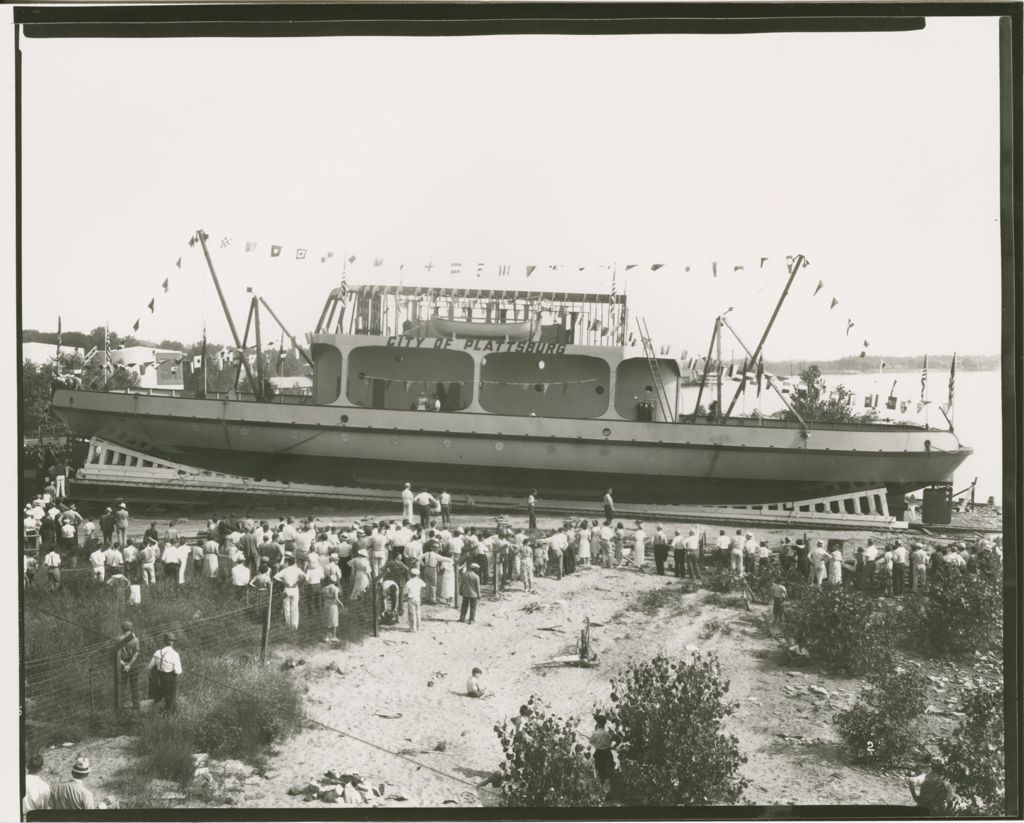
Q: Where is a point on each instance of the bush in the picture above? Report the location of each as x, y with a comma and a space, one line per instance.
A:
843, 629
230, 711
882, 726
958, 612
546, 765
673, 752
975, 755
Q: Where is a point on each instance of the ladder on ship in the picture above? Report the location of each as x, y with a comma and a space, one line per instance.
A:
652, 364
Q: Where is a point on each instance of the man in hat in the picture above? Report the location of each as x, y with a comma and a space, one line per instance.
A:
932, 791
870, 565
802, 564
411, 593
407, 498
107, 525
531, 508
52, 563
660, 543
469, 591
73, 794
899, 567
148, 556
121, 523
127, 657
167, 665
691, 544
818, 557
749, 553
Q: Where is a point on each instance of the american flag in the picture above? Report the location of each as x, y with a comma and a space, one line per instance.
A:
924, 377
952, 380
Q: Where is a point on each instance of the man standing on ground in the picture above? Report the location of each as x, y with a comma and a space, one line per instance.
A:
167, 664
425, 503
412, 592
289, 577
149, 555
121, 523
469, 591
723, 543
531, 508
73, 794
870, 561
52, 563
678, 554
98, 561
919, 565
37, 790
899, 568
660, 549
817, 558
429, 562
603, 742
692, 546
127, 657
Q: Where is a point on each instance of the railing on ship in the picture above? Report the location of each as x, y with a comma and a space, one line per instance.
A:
750, 422
581, 318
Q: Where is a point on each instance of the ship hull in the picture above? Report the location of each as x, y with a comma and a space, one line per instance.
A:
739, 463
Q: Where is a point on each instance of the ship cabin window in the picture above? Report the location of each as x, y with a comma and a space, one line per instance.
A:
634, 385
555, 385
379, 377
327, 374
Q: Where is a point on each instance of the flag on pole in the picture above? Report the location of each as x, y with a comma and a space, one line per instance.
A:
225, 242
166, 284
197, 362
152, 305
378, 262
924, 377
657, 266
866, 344
835, 303
352, 259
300, 254
275, 251
135, 325
760, 375
250, 246
818, 288
456, 268
177, 265
479, 269
630, 266
849, 325
952, 380
503, 271
530, 270
714, 269
737, 268
763, 261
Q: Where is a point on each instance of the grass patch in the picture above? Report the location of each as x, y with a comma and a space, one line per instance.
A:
652, 601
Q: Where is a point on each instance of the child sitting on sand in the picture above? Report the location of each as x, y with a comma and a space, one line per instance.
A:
473, 685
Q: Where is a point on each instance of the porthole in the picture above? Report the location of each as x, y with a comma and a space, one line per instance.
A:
540, 364
499, 446
483, 361
447, 443
398, 358
344, 418
244, 432
649, 389
606, 432
599, 390
295, 435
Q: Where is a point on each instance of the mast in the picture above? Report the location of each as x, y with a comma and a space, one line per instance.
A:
798, 261
718, 355
287, 333
224, 304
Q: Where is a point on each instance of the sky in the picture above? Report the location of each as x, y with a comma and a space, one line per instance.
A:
874, 155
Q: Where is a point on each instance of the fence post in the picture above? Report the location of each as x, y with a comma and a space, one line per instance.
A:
455, 571
117, 683
373, 601
265, 640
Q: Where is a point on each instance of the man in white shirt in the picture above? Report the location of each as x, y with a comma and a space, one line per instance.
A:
818, 557
749, 553
899, 568
167, 664
722, 543
412, 593
691, 544
531, 508
37, 790
456, 544
870, 560
52, 564
378, 550
446, 508
240, 577
425, 503
98, 561
407, 498
414, 549
289, 577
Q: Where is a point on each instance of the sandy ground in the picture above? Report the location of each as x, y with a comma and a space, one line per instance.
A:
404, 691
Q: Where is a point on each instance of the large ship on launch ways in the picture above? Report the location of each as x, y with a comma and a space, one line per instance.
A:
493, 391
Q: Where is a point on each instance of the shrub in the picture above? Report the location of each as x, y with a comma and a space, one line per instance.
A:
546, 765
958, 611
975, 755
843, 629
673, 752
881, 726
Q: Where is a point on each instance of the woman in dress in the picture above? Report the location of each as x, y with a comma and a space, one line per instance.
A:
620, 534
359, 569
835, 568
639, 545
332, 599
446, 577
584, 545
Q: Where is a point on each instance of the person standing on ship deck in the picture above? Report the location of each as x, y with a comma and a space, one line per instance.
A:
609, 506
446, 508
531, 508
424, 502
407, 498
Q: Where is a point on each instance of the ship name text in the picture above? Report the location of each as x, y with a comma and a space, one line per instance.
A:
400, 341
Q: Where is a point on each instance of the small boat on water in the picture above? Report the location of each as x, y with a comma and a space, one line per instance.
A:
565, 407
